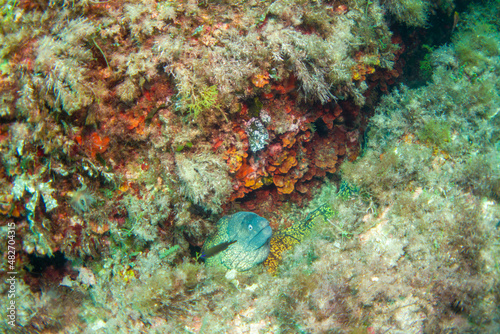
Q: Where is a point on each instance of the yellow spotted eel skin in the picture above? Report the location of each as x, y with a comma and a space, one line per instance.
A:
295, 234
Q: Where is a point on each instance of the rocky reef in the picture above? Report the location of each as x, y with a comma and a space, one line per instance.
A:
129, 128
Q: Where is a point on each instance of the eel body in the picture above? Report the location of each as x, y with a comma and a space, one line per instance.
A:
285, 239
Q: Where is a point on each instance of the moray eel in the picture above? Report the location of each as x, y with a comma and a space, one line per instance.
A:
295, 234
244, 240
241, 242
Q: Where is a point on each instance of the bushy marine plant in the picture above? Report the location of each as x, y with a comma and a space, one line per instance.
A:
62, 58
410, 12
322, 60
204, 179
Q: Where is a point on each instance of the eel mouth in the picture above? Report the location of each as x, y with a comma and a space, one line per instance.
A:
262, 238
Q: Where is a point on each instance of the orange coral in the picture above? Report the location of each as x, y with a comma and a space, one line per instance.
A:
79, 139
328, 150
98, 144
137, 123
297, 158
365, 65
361, 70
260, 80
279, 180
286, 85
217, 143
124, 187
135, 120
248, 178
278, 159
288, 187
254, 183
284, 184
289, 139
234, 159
287, 164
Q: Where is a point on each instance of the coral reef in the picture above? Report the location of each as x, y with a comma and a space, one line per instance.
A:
128, 129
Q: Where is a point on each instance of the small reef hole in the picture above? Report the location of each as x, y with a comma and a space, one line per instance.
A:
38, 264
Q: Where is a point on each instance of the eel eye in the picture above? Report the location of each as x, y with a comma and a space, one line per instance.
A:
250, 227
